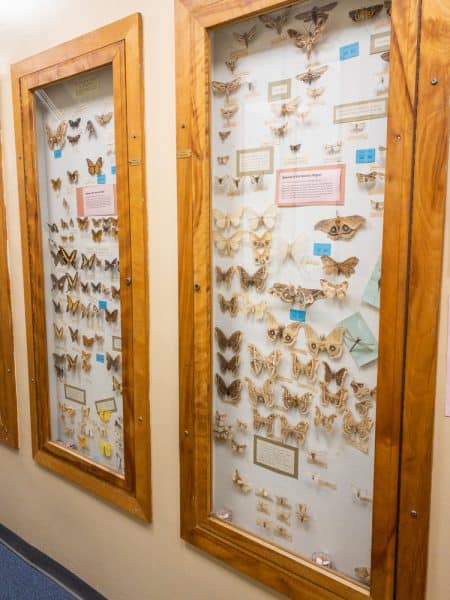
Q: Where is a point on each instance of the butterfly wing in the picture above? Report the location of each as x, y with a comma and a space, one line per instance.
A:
290, 333
334, 342
273, 330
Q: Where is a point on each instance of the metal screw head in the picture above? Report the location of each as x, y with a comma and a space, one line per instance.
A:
414, 514
197, 287
186, 432
434, 81
140, 419
128, 281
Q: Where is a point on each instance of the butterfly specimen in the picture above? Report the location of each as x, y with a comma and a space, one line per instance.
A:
97, 235
295, 294
284, 109
231, 365
72, 362
363, 406
237, 448
96, 222
96, 287
302, 513
57, 306
56, 138
340, 228
111, 265
295, 251
88, 263
333, 148
228, 113
104, 119
311, 74
226, 87
116, 384
68, 259
64, 224
90, 129
262, 507
298, 431
231, 306
246, 37
58, 331
266, 422
354, 429
274, 21
262, 395
339, 376
369, 177
332, 267
259, 363
56, 184
362, 390
115, 293
72, 305
59, 358
75, 123
257, 280
223, 135
58, 284
285, 333
73, 139
86, 365
73, 176
220, 180
112, 363
226, 220
111, 317
301, 402
228, 246
72, 282
231, 394
231, 63
99, 339
325, 421
307, 369
317, 14
59, 372
257, 180
366, 13
233, 342
88, 342
257, 310
239, 482
235, 184
67, 238
223, 160
334, 290
83, 223
339, 398
332, 344
260, 242
74, 334
315, 93
385, 56
279, 130
309, 37
265, 219
224, 276
95, 168
53, 227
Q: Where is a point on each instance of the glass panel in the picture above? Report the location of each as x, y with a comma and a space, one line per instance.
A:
78, 203
298, 135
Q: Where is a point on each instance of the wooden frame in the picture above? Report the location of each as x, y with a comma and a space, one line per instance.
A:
8, 406
119, 44
393, 574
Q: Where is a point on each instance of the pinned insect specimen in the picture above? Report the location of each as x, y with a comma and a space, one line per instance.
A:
262, 507
364, 14
315, 478
225, 88
245, 37
240, 483
302, 513
228, 113
260, 421
56, 138
90, 129
314, 458
301, 402
297, 432
312, 74
282, 532
263, 493
333, 148
275, 21
284, 516
222, 431
282, 501
340, 228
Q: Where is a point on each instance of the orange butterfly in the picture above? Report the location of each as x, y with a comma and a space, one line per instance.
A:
95, 168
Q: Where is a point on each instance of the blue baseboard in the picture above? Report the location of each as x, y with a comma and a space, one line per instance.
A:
49, 566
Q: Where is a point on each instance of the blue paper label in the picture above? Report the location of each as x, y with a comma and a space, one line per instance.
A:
297, 315
102, 304
100, 358
113, 170
101, 178
57, 153
349, 51
321, 249
365, 155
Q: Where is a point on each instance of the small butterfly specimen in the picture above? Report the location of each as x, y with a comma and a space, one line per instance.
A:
117, 385
112, 363
231, 394
246, 37
88, 342
284, 333
67, 238
332, 344
262, 395
338, 376
56, 184
257, 280
87, 263
75, 123
58, 331
104, 119
279, 130
223, 160
96, 222
301, 402
111, 317
315, 93
231, 365
115, 293
257, 310
72, 305
266, 422
362, 390
231, 63
228, 113
333, 148
72, 362
307, 369
59, 372
111, 265
325, 421
58, 137
354, 429
64, 224
339, 398
68, 259
73, 139
311, 74
346, 267
59, 358
228, 246
295, 147
231, 306
370, 177
233, 342
260, 242
99, 339
363, 406
83, 223
53, 227
224, 276
334, 290
58, 284
364, 14
223, 135
74, 334
259, 363
275, 21
285, 109
296, 294
90, 129
227, 220
237, 448
236, 184
73, 176
220, 180
302, 513
226, 87
298, 432
95, 168
72, 282
257, 180
97, 235
340, 228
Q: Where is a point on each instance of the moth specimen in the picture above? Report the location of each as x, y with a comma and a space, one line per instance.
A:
233, 342
275, 21
307, 369
224, 276
267, 422
230, 306
222, 431
240, 483
332, 344
333, 148
312, 74
95, 168
334, 290
226, 87
295, 251
73, 176
231, 394
225, 221
262, 507
262, 493
104, 119
90, 129
256, 310
260, 242
223, 160
285, 333
237, 448
228, 113
364, 14
362, 390
265, 219
338, 376
309, 37
340, 228
257, 280
279, 130
296, 294
325, 421
369, 177
231, 63
223, 135
301, 402
56, 184
316, 14
295, 147
297, 432
73, 139
315, 93
259, 363
228, 246
112, 362
332, 267
338, 399
111, 316
284, 516
56, 138
302, 513
245, 37
75, 123
231, 365
260, 395
285, 109
356, 429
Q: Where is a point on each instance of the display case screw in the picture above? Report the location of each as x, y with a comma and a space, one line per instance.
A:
414, 514
140, 419
128, 281
434, 81
197, 287
186, 432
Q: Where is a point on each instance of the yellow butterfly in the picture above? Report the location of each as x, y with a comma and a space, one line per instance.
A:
105, 448
105, 415
72, 305
117, 385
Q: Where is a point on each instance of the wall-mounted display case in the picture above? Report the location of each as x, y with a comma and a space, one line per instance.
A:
80, 143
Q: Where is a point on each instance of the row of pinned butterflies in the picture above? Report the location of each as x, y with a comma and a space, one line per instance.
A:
66, 360
103, 226
56, 138
93, 168
87, 287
